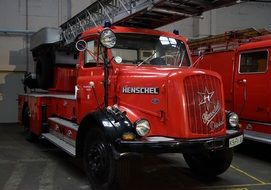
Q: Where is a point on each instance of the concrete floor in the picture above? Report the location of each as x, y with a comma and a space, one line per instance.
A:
42, 166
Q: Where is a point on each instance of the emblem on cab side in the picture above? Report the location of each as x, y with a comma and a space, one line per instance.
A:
155, 101
140, 90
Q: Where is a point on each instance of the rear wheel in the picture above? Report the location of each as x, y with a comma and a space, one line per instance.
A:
209, 164
29, 135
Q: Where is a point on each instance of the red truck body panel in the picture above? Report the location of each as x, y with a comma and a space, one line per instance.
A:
221, 62
65, 79
66, 106
65, 102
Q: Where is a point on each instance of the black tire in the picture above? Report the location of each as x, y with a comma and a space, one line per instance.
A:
100, 166
29, 135
210, 164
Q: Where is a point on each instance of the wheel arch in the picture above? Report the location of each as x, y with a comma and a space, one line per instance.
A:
111, 127
90, 121
86, 124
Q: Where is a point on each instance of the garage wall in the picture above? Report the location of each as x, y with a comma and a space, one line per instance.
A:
15, 57
240, 16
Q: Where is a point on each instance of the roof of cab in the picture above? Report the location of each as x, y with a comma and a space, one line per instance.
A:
262, 44
121, 29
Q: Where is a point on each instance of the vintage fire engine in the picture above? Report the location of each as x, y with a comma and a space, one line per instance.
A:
242, 58
119, 91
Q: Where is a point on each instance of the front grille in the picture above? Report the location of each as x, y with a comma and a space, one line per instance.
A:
204, 104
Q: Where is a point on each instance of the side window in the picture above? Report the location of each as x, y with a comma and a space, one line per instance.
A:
93, 54
89, 57
253, 62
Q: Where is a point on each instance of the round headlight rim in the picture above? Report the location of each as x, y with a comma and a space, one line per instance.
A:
136, 125
101, 35
230, 117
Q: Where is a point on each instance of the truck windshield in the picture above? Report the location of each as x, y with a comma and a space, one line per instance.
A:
140, 49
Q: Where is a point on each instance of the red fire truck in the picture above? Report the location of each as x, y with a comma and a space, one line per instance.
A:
116, 91
242, 58
132, 91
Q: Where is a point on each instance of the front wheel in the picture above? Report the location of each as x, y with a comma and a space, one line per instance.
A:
209, 164
98, 161
101, 168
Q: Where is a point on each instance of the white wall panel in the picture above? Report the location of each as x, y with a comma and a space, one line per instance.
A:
15, 15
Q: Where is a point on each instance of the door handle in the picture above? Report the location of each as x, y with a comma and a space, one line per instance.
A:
242, 81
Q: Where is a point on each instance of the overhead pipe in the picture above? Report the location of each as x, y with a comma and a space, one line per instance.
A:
170, 12
27, 36
16, 32
160, 10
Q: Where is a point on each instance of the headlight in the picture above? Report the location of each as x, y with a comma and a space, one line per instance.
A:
233, 119
142, 127
108, 38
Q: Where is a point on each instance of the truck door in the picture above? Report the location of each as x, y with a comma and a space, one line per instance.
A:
91, 71
252, 85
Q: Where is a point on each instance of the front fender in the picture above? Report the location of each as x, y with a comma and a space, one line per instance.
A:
112, 127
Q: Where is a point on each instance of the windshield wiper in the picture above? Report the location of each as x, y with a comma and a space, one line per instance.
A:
147, 58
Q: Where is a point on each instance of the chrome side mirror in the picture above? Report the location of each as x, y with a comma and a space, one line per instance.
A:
81, 45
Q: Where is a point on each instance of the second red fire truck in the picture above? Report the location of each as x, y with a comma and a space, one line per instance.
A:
243, 59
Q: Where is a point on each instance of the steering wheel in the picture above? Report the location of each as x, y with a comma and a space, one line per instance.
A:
169, 59
167, 56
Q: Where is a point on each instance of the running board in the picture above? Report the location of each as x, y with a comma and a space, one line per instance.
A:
257, 136
60, 143
64, 123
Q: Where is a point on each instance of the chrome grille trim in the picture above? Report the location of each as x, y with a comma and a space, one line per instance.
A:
204, 104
